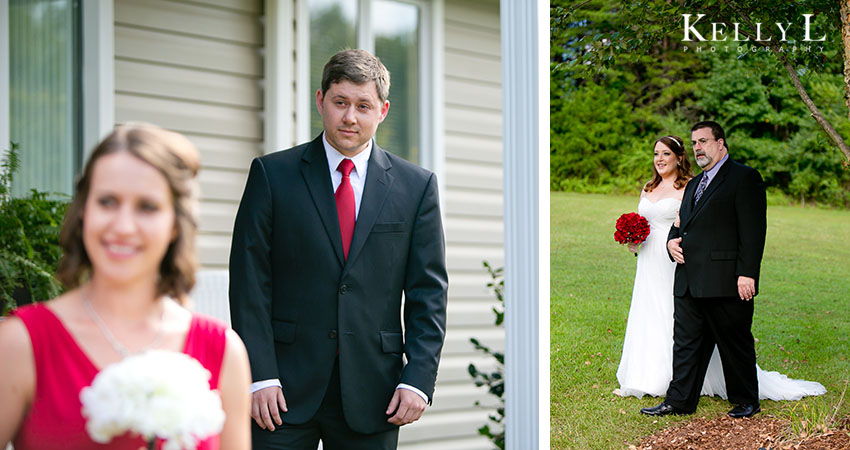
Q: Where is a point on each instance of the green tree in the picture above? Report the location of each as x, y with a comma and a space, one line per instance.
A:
604, 119
29, 240
768, 128
650, 22
616, 86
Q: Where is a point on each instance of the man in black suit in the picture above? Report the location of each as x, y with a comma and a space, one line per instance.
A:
328, 236
718, 246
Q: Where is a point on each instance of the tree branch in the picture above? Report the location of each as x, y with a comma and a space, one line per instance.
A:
816, 114
845, 38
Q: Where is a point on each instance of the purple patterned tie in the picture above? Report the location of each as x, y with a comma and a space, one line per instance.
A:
703, 182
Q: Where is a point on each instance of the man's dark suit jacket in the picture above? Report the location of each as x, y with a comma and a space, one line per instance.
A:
723, 235
298, 304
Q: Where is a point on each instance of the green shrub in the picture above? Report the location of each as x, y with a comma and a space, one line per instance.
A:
29, 241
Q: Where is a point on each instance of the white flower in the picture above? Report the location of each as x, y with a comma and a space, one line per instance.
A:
154, 394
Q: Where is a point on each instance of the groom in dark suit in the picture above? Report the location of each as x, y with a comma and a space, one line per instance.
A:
718, 246
328, 237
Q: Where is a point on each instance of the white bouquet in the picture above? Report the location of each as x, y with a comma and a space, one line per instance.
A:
155, 394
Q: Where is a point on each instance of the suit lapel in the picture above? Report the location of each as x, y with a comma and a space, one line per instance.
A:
375, 191
712, 187
314, 169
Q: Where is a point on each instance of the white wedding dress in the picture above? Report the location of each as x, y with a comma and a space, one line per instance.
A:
646, 366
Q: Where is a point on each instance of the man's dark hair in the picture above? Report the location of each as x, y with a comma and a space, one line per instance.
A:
357, 66
716, 130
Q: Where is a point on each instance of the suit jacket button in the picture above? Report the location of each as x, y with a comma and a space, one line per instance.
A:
332, 334
685, 233
343, 289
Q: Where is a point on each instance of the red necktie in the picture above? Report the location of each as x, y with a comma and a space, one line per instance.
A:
345, 204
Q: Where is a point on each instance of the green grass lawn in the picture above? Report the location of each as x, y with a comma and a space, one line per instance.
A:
801, 318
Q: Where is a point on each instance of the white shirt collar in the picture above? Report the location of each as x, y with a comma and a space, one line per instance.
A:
360, 160
710, 173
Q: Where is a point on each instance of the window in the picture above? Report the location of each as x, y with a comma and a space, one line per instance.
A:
392, 31
44, 102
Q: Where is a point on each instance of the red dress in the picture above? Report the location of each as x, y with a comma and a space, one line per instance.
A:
55, 419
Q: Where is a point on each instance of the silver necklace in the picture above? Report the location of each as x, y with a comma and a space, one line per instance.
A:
113, 341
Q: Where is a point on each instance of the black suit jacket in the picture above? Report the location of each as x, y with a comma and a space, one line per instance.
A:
296, 301
723, 235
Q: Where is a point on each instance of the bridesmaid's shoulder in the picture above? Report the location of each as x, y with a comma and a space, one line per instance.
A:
16, 340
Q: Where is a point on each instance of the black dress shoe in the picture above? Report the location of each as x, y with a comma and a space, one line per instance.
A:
744, 410
663, 410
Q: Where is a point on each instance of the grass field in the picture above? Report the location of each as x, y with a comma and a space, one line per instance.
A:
801, 318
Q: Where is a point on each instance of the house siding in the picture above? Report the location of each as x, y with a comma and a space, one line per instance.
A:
196, 68
473, 211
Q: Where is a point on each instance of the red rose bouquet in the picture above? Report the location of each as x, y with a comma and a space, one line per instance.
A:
631, 227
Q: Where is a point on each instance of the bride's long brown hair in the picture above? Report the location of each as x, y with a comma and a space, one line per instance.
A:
683, 165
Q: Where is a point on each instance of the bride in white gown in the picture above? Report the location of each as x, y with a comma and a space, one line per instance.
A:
646, 366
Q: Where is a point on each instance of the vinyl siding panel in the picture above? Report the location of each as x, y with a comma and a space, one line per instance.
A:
214, 248
446, 430
473, 210
196, 67
464, 121
484, 97
187, 84
244, 6
473, 148
192, 20
159, 47
473, 204
190, 117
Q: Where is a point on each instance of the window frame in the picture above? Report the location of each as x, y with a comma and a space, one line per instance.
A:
97, 108
279, 77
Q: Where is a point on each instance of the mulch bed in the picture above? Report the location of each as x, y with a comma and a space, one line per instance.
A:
743, 434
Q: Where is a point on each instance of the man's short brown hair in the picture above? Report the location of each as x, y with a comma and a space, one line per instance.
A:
357, 66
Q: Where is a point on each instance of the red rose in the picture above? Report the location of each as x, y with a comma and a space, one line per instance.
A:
631, 227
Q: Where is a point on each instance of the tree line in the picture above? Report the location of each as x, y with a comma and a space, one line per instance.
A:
622, 75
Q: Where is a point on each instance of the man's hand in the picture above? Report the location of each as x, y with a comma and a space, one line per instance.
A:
746, 288
266, 405
675, 249
407, 405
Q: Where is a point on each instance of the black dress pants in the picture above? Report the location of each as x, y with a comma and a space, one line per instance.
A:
699, 324
328, 425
